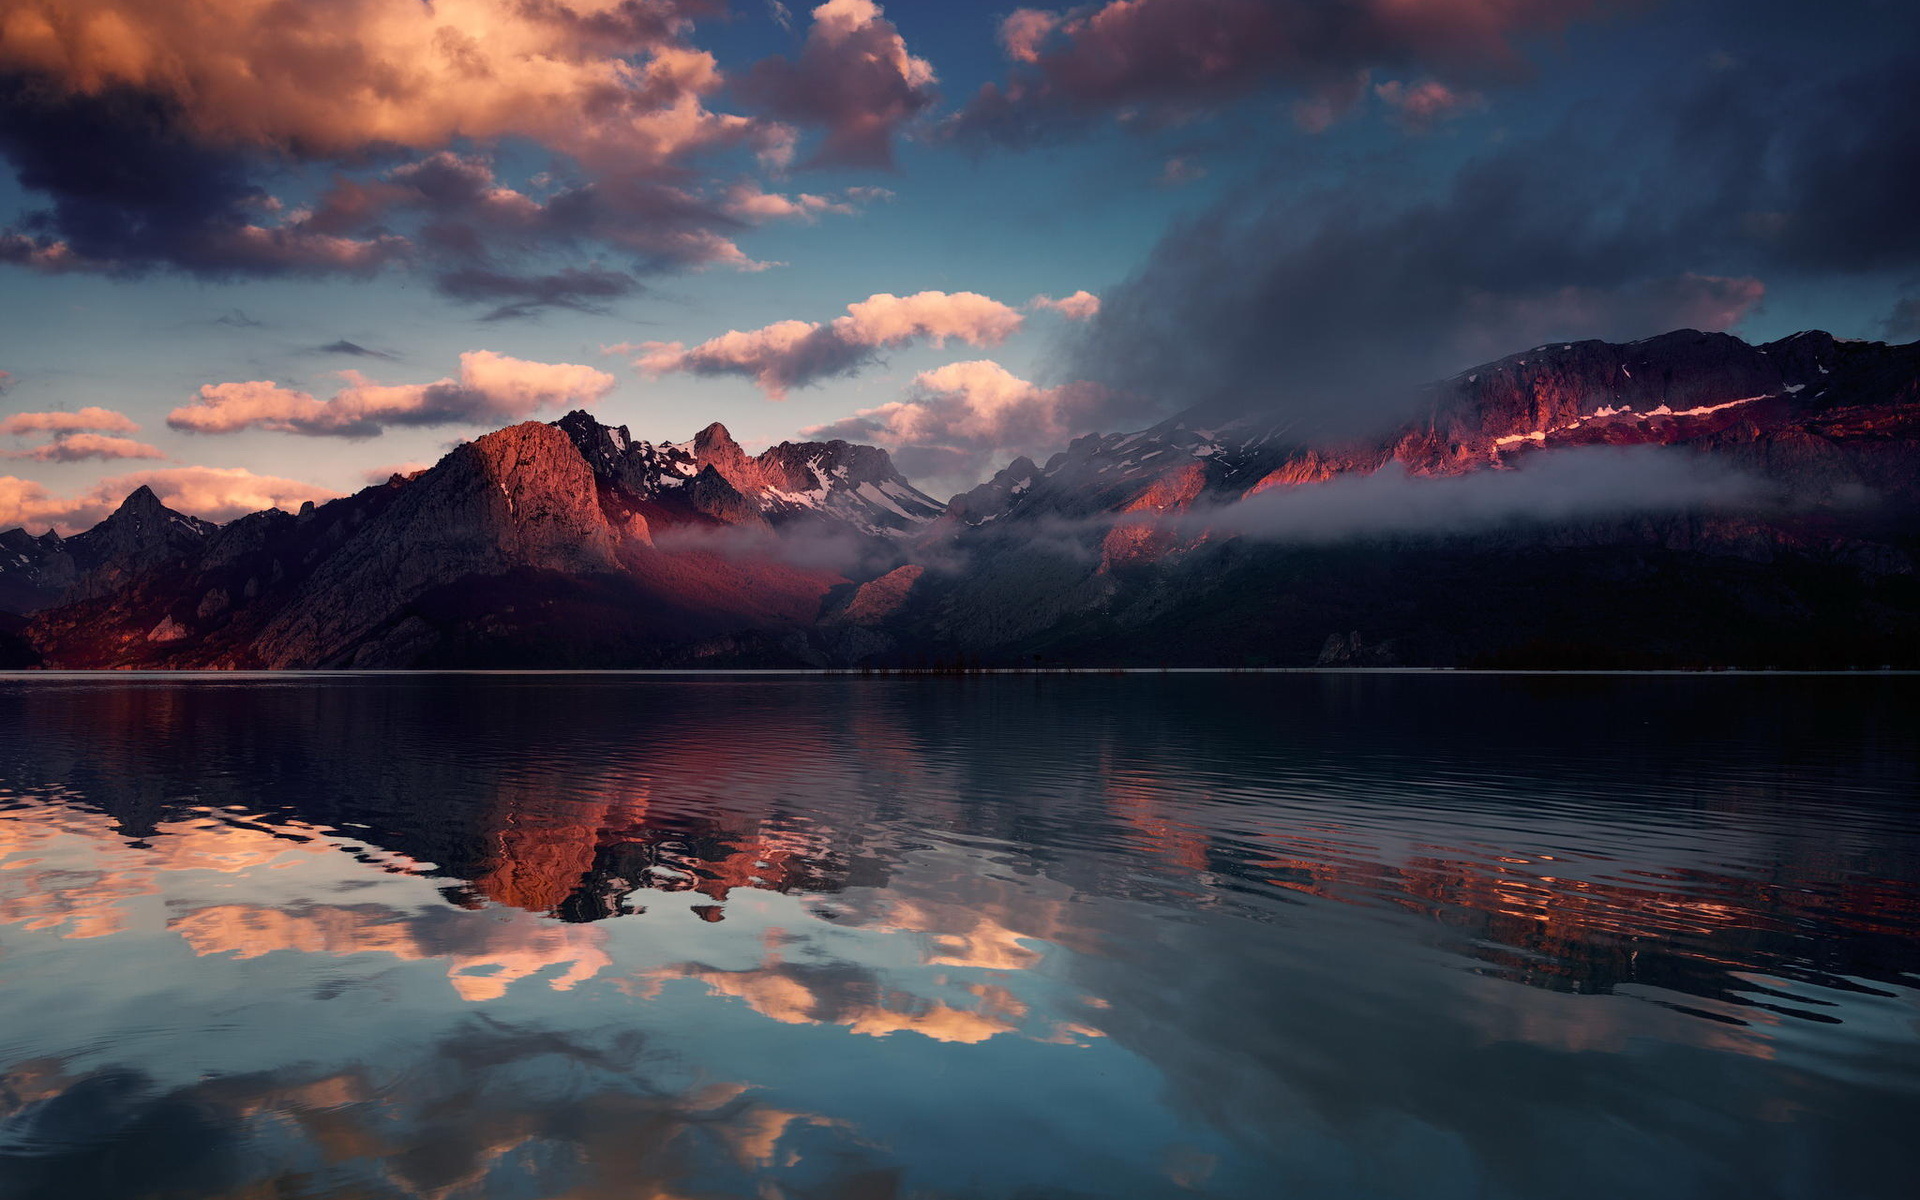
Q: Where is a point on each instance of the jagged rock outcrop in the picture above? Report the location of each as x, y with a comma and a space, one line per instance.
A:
519, 498
140, 536
532, 545
711, 477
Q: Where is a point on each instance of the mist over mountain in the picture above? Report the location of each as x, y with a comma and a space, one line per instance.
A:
1686, 500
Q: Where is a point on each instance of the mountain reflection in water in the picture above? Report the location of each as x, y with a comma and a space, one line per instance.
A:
549, 936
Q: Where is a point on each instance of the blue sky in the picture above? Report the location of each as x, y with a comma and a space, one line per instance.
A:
1266, 127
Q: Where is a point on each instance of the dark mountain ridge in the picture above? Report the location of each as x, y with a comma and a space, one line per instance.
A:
572, 544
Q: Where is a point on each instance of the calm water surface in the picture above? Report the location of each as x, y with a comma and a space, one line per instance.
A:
814, 938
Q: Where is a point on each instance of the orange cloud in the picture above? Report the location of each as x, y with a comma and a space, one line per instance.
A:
491, 387
608, 82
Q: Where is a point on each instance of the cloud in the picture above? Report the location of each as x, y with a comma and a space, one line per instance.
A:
1157, 61
1081, 306
148, 125
582, 290
472, 226
962, 420
603, 83
854, 79
91, 418
1418, 107
781, 14
749, 203
76, 436
491, 388
791, 354
352, 349
215, 493
1563, 485
147, 122
1180, 170
6, 380
78, 447
379, 475
132, 192
1331, 309
1903, 323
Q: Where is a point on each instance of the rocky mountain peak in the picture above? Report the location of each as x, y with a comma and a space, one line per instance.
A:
714, 447
714, 439
143, 499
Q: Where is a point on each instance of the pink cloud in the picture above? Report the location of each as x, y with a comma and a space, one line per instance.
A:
963, 419
791, 354
1081, 306
215, 493
854, 79
885, 319
1418, 107
1023, 30
90, 418
749, 203
78, 447
491, 388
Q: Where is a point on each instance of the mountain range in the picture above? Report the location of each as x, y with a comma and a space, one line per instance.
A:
1686, 501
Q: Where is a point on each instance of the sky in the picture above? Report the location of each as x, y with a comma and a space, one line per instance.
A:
253, 253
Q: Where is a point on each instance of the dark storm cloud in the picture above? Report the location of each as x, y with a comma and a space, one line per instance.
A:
1331, 309
1903, 323
1153, 61
131, 192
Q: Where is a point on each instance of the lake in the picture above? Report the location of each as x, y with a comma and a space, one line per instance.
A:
769, 937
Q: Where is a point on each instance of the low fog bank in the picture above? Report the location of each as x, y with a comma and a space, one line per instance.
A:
1544, 488
1565, 485
803, 545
